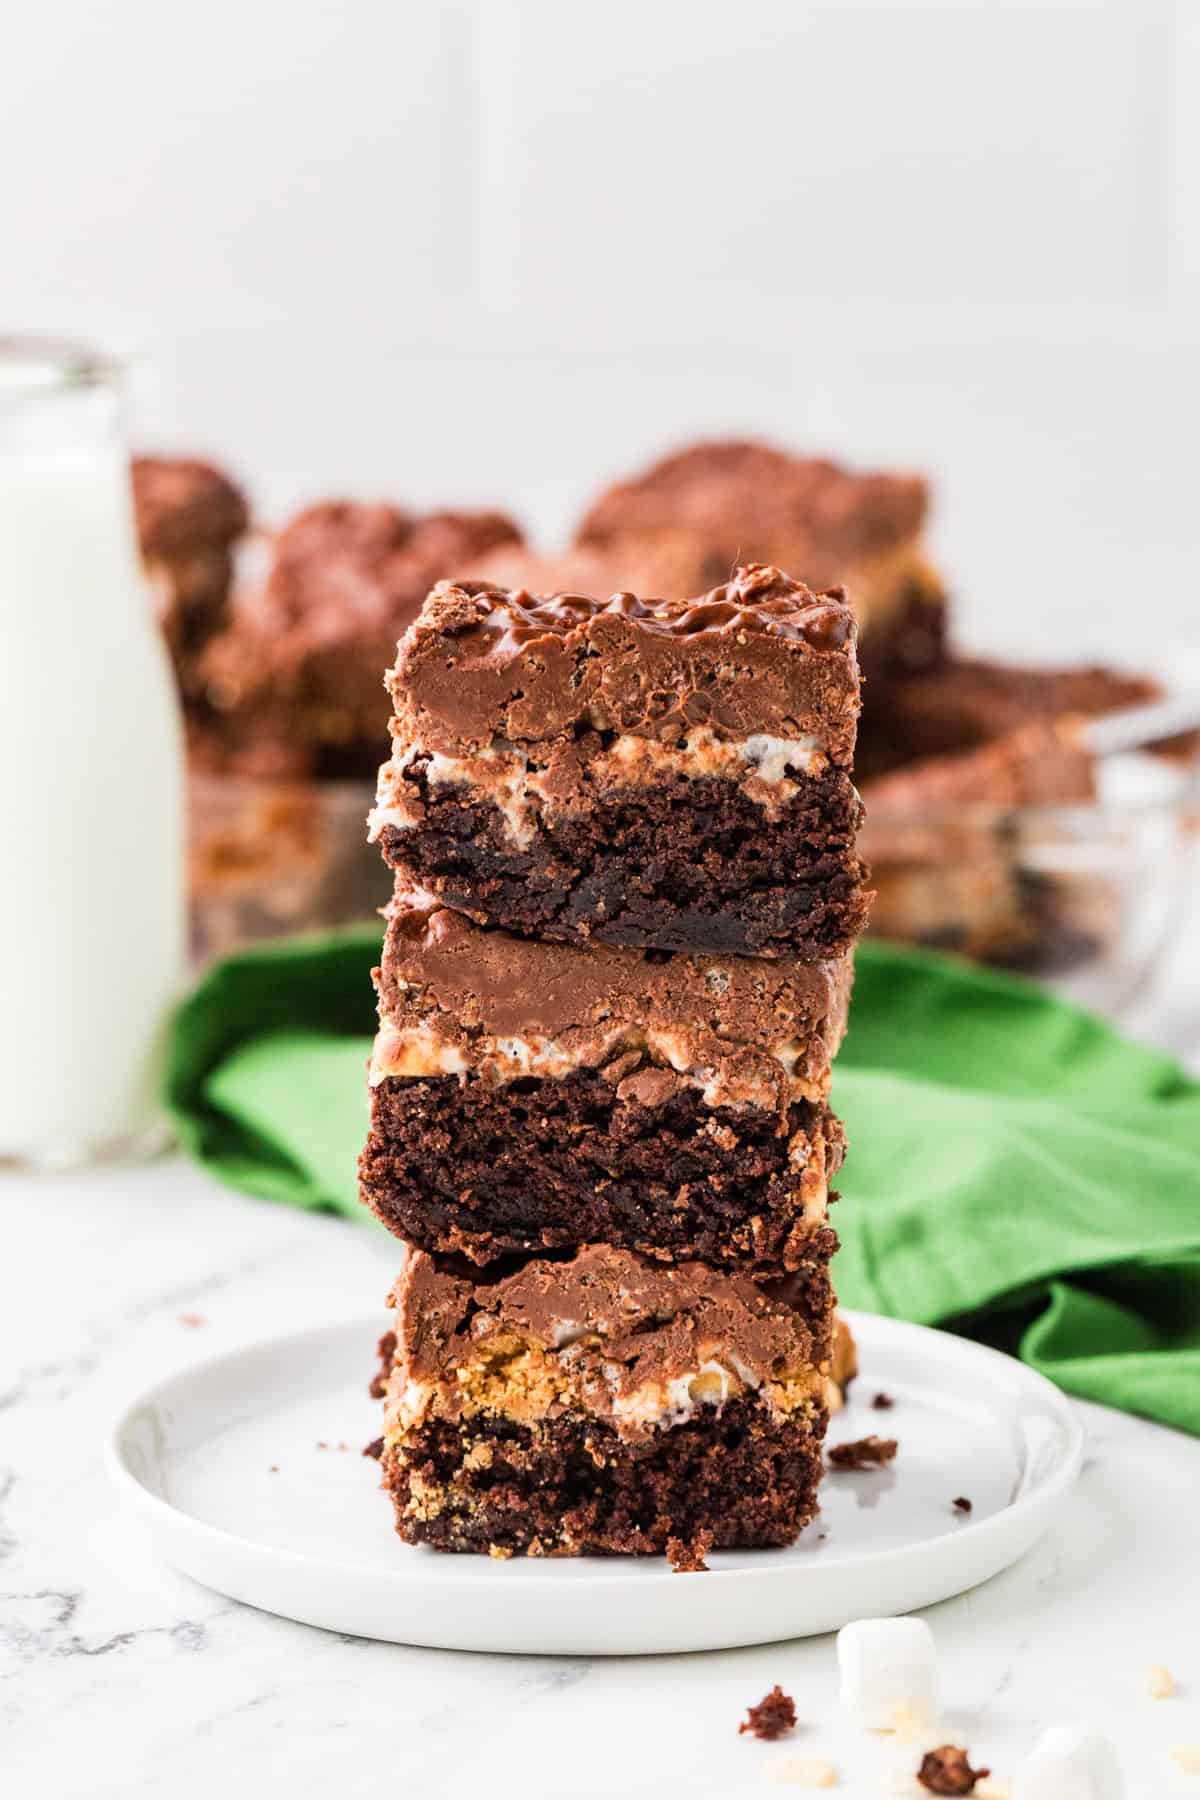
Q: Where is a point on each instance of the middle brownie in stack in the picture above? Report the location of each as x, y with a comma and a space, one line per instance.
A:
614, 1330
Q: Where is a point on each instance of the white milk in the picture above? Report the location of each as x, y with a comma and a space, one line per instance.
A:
92, 895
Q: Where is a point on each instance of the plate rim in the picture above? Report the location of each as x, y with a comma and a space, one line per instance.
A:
517, 1572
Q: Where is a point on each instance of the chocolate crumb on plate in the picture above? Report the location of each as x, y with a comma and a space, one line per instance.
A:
948, 1771
863, 1453
687, 1555
883, 1403
961, 1504
374, 1449
774, 1715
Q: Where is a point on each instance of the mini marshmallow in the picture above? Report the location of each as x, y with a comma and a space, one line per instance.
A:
888, 1672
1069, 1762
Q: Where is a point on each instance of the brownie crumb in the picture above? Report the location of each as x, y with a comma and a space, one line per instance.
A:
686, 1555
883, 1403
947, 1771
374, 1449
274, 1468
961, 1504
192, 1320
864, 1453
772, 1718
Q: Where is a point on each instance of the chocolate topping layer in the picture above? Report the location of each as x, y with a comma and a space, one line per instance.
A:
621, 1327
183, 505
749, 1027
761, 654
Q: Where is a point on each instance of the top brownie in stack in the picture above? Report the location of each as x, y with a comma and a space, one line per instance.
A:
671, 774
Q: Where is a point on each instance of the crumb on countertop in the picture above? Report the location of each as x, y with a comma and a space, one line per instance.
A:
883, 1402
774, 1715
947, 1770
961, 1504
374, 1449
1159, 1682
192, 1320
863, 1453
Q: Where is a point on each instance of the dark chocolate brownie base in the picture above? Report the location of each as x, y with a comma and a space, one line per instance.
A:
570, 1486
543, 1164
685, 864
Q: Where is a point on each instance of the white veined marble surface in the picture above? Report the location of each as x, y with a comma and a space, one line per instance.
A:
120, 1678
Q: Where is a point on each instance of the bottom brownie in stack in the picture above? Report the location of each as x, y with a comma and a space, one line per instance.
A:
603, 1402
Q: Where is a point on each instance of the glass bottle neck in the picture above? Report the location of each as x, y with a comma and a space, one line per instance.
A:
58, 397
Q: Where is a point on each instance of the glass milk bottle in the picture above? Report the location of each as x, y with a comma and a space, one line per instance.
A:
92, 900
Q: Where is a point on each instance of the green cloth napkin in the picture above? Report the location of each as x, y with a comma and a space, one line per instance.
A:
1018, 1172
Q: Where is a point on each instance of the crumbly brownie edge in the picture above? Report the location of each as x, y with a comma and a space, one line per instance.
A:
653, 868
537, 1164
736, 1476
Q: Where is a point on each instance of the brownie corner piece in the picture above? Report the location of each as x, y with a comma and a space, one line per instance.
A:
657, 773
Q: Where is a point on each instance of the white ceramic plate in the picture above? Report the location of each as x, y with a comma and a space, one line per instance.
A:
245, 1472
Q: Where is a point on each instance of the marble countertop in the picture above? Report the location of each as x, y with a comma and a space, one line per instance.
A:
119, 1677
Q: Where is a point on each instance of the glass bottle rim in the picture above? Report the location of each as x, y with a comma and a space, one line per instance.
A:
37, 364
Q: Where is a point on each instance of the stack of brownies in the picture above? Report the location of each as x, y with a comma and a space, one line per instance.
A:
616, 970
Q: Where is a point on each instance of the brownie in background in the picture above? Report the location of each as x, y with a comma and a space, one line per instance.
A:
294, 682
189, 517
682, 525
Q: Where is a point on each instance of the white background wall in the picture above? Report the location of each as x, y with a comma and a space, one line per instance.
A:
498, 250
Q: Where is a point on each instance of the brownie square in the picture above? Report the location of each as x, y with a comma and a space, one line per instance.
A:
189, 517
603, 1403
528, 1096
969, 703
658, 773
954, 867
300, 662
689, 518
